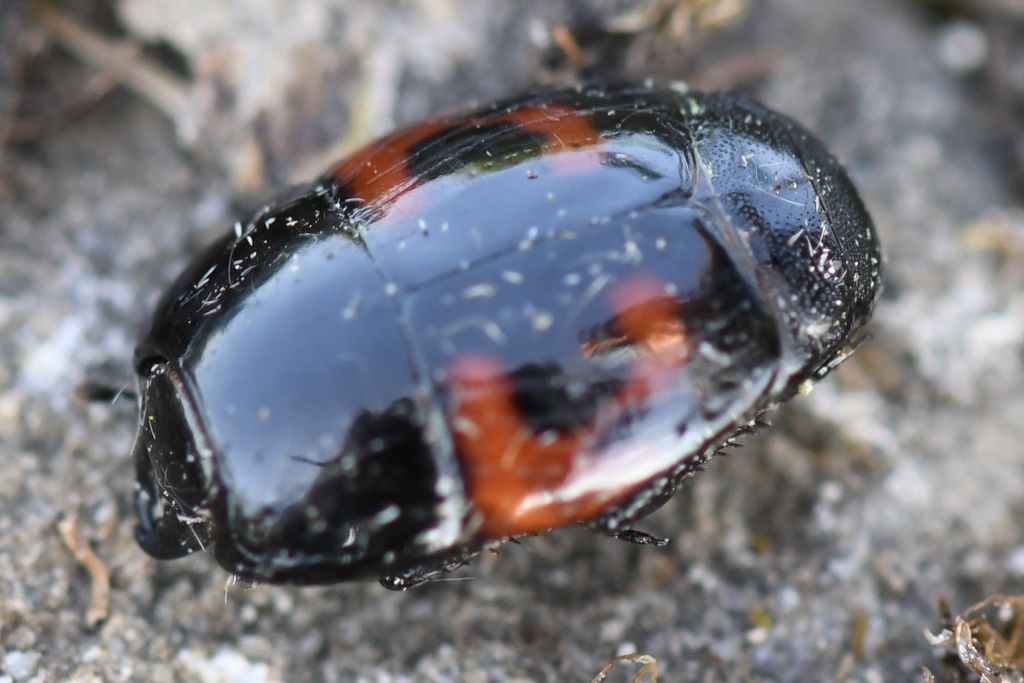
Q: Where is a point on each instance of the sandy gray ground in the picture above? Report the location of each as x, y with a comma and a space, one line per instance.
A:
815, 553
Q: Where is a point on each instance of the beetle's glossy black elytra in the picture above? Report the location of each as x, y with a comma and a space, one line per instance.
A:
549, 310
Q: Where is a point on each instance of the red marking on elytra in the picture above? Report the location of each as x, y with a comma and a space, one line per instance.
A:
565, 130
649, 316
378, 174
522, 482
563, 126
506, 461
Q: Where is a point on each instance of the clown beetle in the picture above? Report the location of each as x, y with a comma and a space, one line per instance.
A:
544, 311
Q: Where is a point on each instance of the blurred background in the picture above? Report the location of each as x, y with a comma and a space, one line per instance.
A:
133, 132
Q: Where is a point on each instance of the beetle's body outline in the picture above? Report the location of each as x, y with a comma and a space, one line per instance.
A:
548, 310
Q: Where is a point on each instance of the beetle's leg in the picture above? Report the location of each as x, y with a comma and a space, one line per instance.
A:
432, 569
640, 537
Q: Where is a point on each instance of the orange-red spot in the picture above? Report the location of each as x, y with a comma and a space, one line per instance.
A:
506, 461
563, 126
565, 129
650, 317
378, 173
522, 482
644, 309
